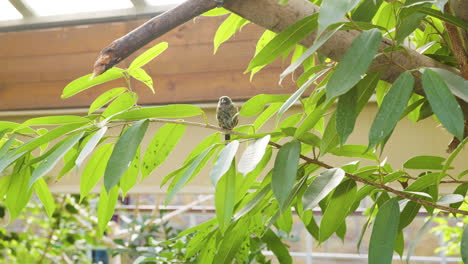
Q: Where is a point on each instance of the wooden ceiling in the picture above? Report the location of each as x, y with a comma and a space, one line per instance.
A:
36, 65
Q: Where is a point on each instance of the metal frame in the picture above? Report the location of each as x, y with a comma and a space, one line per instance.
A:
31, 21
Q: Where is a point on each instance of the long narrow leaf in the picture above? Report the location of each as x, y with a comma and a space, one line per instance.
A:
355, 63
384, 233
284, 170
123, 153
393, 106
443, 103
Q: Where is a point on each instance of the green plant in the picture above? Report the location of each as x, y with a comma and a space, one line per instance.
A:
66, 236
250, 208
451, 228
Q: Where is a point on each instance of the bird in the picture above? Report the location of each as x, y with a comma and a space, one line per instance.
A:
227, 114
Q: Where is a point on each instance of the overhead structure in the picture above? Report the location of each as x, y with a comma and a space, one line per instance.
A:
17, 15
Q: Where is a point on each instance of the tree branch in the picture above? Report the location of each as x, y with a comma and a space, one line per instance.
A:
273, 16
327, 166
123, 47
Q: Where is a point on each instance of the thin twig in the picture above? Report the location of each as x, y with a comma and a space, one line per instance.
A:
324, 165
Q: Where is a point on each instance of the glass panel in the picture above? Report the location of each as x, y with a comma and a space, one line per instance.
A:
8, 11
61, 7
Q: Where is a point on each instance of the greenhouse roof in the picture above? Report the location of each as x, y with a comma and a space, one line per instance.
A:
18, 15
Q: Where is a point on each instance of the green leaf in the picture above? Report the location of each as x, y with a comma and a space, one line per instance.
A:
227, 29
321, 186
393, 106
266, 115
330, 137
294, 97
198, 240
257, 103
94, 169
354, 151
123, 153
225, 196
283, 41
253, 154
167, 111
161, 146
6, 146
277, 247
443, 103
252, 203
355, 63
408, 214
309, 52
407, 21
266, 37
130, 176
424, 181
367, 10
457, 85
231, 242
18, 193
106, 207
346, 114
424, 162
7, 126
464, 244
333, 11
49, 136
188, 173
284, 170
7, 159
384, 233
148, 56
311, 120
444, 17
47, 165
307, 138
4, 185
124, 102
337, 209
43, 193
90, 145
86, 82
399, 245
106, 98
52, 120
223, 161
206, 142
143, 77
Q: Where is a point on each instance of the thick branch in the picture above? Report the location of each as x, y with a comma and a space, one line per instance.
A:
152, 29
270, 15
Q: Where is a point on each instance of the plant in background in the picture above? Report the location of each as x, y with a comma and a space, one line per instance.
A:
370, 52
451, 229
65, 237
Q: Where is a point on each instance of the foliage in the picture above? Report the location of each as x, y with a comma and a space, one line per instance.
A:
253, 202
451, 228
66, 236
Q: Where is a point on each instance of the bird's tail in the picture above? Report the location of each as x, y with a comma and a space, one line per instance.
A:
227, 137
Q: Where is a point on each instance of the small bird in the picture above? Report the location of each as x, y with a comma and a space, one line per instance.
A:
227, 113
